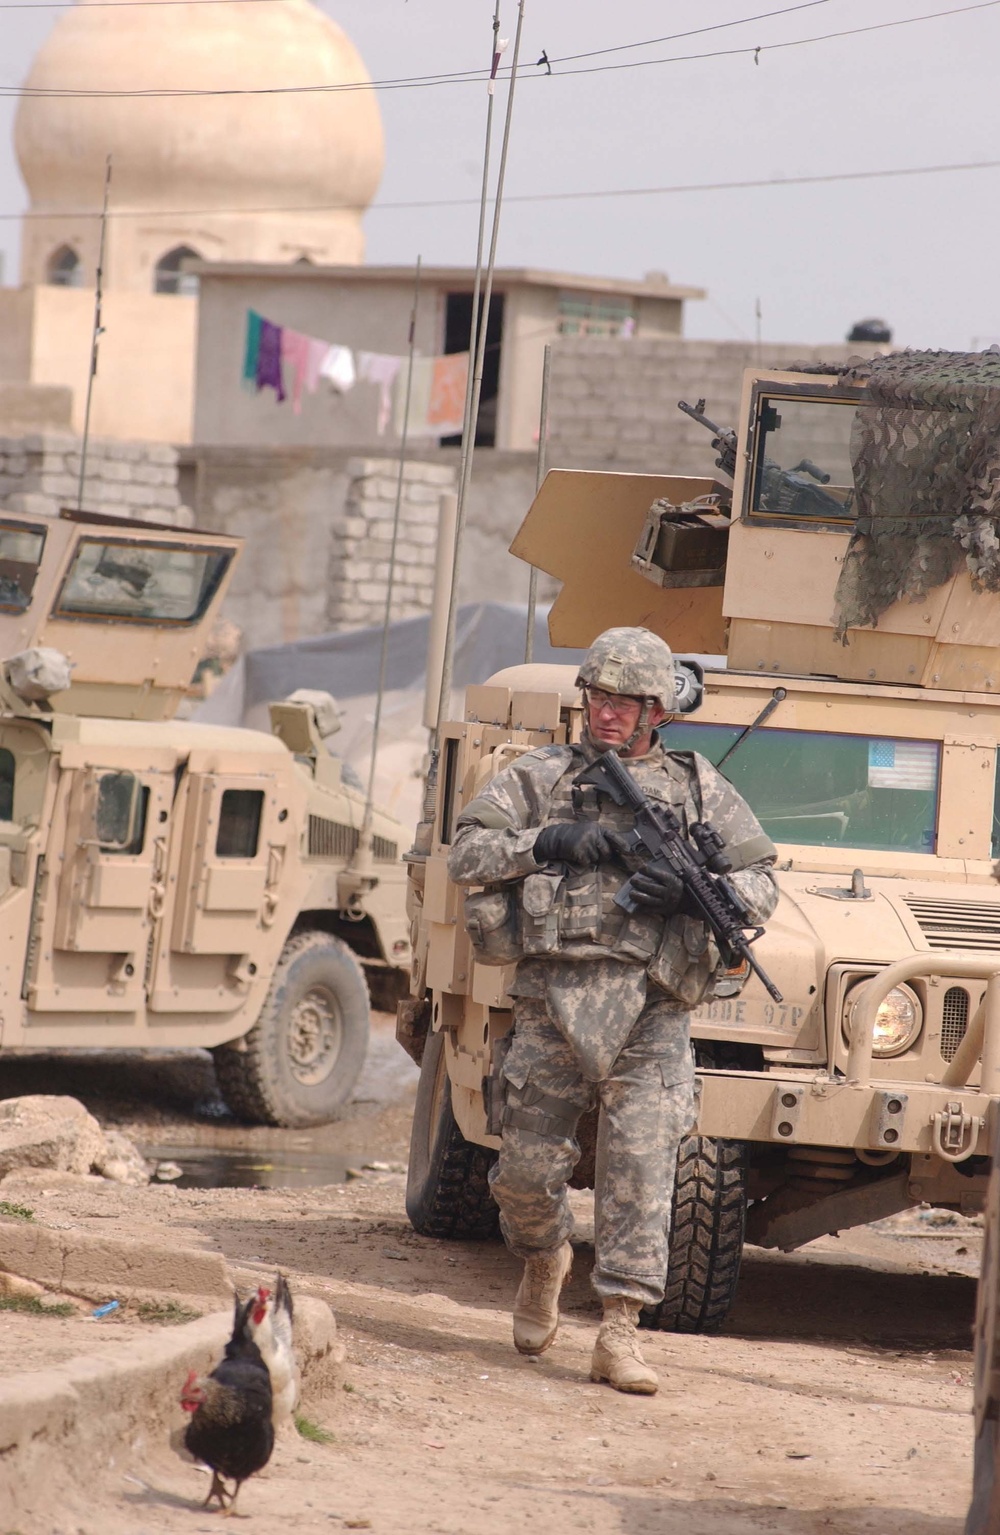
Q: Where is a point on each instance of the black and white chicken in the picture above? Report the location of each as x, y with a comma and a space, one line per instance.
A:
270, 1324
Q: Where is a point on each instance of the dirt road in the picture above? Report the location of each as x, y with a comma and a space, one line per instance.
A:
836, 1400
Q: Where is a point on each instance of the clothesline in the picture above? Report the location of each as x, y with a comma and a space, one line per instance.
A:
292, 363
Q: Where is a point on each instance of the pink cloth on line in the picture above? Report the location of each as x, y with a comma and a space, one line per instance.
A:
382, 369
295, 355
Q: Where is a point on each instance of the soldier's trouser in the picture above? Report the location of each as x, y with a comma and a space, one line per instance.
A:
643, 1116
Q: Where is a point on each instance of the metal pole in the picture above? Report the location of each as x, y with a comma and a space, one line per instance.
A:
95, 337
443, 569
540, 468
469, 445
390, 579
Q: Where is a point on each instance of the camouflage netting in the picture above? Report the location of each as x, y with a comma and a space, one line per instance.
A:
925, 449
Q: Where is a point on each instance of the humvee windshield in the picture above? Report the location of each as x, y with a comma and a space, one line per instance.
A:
802, 460
823, 790
20, 557
145, 583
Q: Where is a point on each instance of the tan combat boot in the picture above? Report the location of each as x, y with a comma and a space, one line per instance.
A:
536, 1305
616, 1353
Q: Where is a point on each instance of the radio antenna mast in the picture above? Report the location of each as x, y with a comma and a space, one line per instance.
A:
96, 335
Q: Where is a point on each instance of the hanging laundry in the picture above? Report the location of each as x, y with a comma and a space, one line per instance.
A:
295, 356
437, 396
337, 367
251, 350
381, 369
449, 383
314, 362
268, 373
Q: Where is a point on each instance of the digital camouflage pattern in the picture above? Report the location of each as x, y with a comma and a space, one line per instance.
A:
601, 1004
647, 1106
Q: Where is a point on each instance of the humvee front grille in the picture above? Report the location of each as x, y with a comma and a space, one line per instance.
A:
330, 839
956, 924
954, 1020
384, 851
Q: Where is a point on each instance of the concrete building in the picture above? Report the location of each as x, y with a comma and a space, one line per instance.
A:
369, 308
214, 177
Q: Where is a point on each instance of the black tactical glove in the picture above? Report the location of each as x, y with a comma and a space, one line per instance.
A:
580, 842
658, 889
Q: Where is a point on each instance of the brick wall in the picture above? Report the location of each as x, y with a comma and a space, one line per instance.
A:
613, 404
362, 541
40, 474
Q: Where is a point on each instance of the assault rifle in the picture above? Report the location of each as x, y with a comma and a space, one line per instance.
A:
658, 835
792, 492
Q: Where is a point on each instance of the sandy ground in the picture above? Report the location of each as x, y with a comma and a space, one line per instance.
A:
836, 1400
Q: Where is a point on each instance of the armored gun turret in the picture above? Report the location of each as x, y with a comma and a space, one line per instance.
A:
853, 703
163, 882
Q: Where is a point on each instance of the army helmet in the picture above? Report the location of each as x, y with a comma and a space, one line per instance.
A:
634, 662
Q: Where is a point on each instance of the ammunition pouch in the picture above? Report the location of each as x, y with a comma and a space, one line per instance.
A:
493, 922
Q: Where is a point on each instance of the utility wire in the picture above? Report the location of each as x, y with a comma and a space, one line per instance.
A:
429, 82
675, 37
526, 197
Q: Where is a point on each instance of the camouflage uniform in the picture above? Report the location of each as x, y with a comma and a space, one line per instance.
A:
601, 1004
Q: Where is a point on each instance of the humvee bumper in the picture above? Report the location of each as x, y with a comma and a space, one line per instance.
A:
810, 1110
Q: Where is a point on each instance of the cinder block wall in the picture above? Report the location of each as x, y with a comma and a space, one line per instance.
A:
40, 474
613, 404
362, 541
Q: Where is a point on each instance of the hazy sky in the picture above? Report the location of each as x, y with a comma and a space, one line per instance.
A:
918, 251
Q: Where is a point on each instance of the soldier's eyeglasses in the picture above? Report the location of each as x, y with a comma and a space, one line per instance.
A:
620, 704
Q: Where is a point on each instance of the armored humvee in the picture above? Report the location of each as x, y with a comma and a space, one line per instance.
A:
846, 584
168, 883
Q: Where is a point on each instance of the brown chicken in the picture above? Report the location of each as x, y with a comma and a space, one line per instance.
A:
231, 1428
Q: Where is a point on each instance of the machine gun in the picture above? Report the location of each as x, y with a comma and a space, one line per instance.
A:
790, 492
658, 835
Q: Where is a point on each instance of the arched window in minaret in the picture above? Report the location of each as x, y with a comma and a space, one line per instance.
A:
168, 277
65, 269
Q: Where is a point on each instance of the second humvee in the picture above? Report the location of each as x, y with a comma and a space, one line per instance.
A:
165, 883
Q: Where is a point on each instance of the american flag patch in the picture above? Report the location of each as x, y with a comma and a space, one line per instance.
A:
902, 764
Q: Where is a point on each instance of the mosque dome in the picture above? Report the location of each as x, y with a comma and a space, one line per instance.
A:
266, 178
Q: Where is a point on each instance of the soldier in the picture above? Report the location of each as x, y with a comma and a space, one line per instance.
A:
601, 997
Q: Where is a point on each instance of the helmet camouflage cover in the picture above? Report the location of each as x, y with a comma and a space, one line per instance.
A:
632, 661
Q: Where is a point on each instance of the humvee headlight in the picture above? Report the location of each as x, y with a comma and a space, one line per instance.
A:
897, 1022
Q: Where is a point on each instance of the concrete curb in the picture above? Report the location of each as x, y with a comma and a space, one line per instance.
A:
109, 1268
90, 1412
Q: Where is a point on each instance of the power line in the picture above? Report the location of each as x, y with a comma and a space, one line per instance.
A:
826, 178
675, 37
426, 82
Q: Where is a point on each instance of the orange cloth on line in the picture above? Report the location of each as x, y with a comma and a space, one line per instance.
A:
449, 382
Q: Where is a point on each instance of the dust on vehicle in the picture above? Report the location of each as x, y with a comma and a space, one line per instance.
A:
168, 883
847, 576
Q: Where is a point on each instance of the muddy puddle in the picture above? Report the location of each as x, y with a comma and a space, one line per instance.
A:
242, 1167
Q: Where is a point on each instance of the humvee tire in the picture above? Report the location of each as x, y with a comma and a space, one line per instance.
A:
447, 1188
706, 1237
302, 1057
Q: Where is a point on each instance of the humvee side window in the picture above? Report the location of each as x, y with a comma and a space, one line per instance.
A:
239, 823
20, 557
139, 582
823, 790
6, 785
120, 815
801, 469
